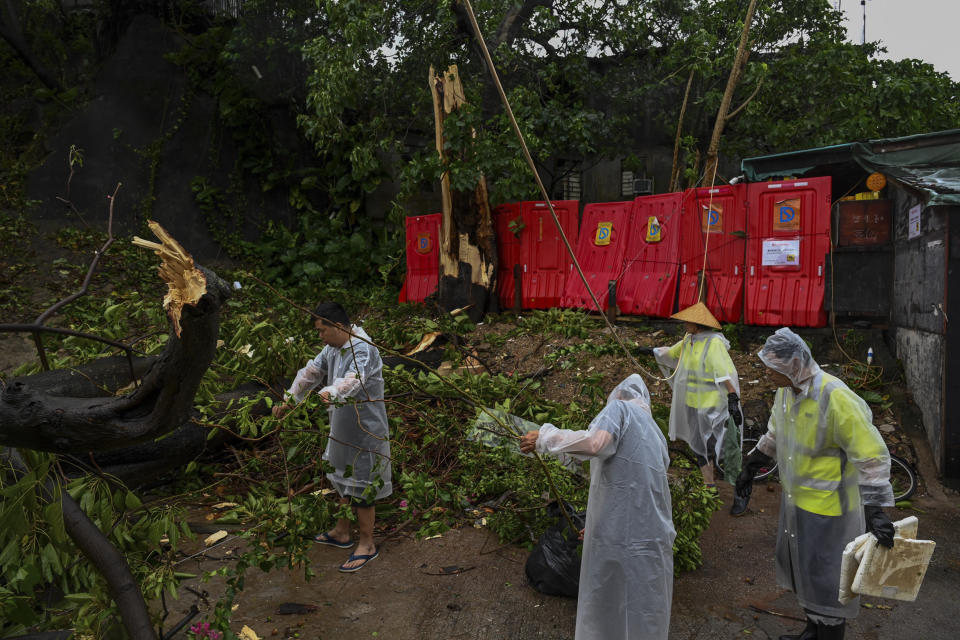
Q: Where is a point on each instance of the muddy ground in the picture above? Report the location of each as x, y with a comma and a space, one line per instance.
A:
464, 584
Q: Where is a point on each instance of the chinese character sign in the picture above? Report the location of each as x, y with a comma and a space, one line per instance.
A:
913, 229
781, 253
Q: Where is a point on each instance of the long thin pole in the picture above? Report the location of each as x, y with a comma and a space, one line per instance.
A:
543, 190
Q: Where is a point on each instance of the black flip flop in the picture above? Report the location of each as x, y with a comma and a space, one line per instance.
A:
324, 538
355, 556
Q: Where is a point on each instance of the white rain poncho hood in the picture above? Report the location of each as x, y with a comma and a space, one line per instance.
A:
698, 367
626, 573
632, 389
832, 461
359, 443
785, 352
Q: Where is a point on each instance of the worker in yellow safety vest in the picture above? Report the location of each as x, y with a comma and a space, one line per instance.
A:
706, 387
835, 472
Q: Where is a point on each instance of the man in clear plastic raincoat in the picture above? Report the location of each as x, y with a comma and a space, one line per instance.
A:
835, 476
626, 572
706, 387
359, 444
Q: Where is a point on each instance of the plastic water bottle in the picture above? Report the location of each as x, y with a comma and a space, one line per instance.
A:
870, 355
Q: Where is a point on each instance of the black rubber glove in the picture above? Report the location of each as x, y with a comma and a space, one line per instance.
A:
744, 487
751, 465
733, 406
879, 525
644, 351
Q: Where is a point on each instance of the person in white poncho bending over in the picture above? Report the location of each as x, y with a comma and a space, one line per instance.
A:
351, 371
626, 572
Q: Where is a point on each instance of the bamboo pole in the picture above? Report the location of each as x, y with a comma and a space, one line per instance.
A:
675, 171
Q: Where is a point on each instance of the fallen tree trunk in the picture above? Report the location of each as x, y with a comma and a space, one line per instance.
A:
33, 416
35, 419
144, 464
141, 463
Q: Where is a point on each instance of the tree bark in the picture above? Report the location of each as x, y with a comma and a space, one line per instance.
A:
33, 419
710, 165
675, 171
468, 248
142, 464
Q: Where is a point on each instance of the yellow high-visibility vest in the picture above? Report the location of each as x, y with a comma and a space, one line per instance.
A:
822, 439
703, 368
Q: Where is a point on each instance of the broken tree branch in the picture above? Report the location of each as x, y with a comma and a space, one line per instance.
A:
106, 559
34, 419
185, 283
747, 101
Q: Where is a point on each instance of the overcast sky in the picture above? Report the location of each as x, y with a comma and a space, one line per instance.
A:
924, 29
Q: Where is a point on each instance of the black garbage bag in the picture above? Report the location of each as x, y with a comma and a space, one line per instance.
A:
553, 567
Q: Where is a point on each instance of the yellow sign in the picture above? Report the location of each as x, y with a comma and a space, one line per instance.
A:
653, 229
604, 232
786, 215
876, 181
712, 219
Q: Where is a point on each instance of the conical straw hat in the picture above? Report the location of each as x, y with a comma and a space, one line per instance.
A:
697, 314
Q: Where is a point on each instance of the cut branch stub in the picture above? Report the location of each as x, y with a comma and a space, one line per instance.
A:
185, 283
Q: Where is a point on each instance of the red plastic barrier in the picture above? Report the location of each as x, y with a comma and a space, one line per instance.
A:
546, 257
649, 282
506, 219
721, 210
600, 250
423, 257
534, 243
786, 253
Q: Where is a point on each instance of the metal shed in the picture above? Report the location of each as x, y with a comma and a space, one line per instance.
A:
906, 281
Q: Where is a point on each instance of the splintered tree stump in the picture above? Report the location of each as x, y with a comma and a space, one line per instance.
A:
33, 418
468, 248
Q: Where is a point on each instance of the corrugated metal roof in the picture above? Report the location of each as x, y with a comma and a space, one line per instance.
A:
928, 163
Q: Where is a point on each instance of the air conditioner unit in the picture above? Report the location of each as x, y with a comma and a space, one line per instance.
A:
642, 186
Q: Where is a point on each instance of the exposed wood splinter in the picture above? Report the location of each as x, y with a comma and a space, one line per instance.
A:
185, 283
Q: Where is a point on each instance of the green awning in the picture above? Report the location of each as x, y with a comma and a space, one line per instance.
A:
928, 163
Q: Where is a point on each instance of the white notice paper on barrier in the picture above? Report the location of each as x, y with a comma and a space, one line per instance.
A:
781, 253
913, 229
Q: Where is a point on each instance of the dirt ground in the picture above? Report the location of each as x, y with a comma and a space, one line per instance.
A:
463, 584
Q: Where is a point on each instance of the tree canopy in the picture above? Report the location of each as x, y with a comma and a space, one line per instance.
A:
328, 102
586, 80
